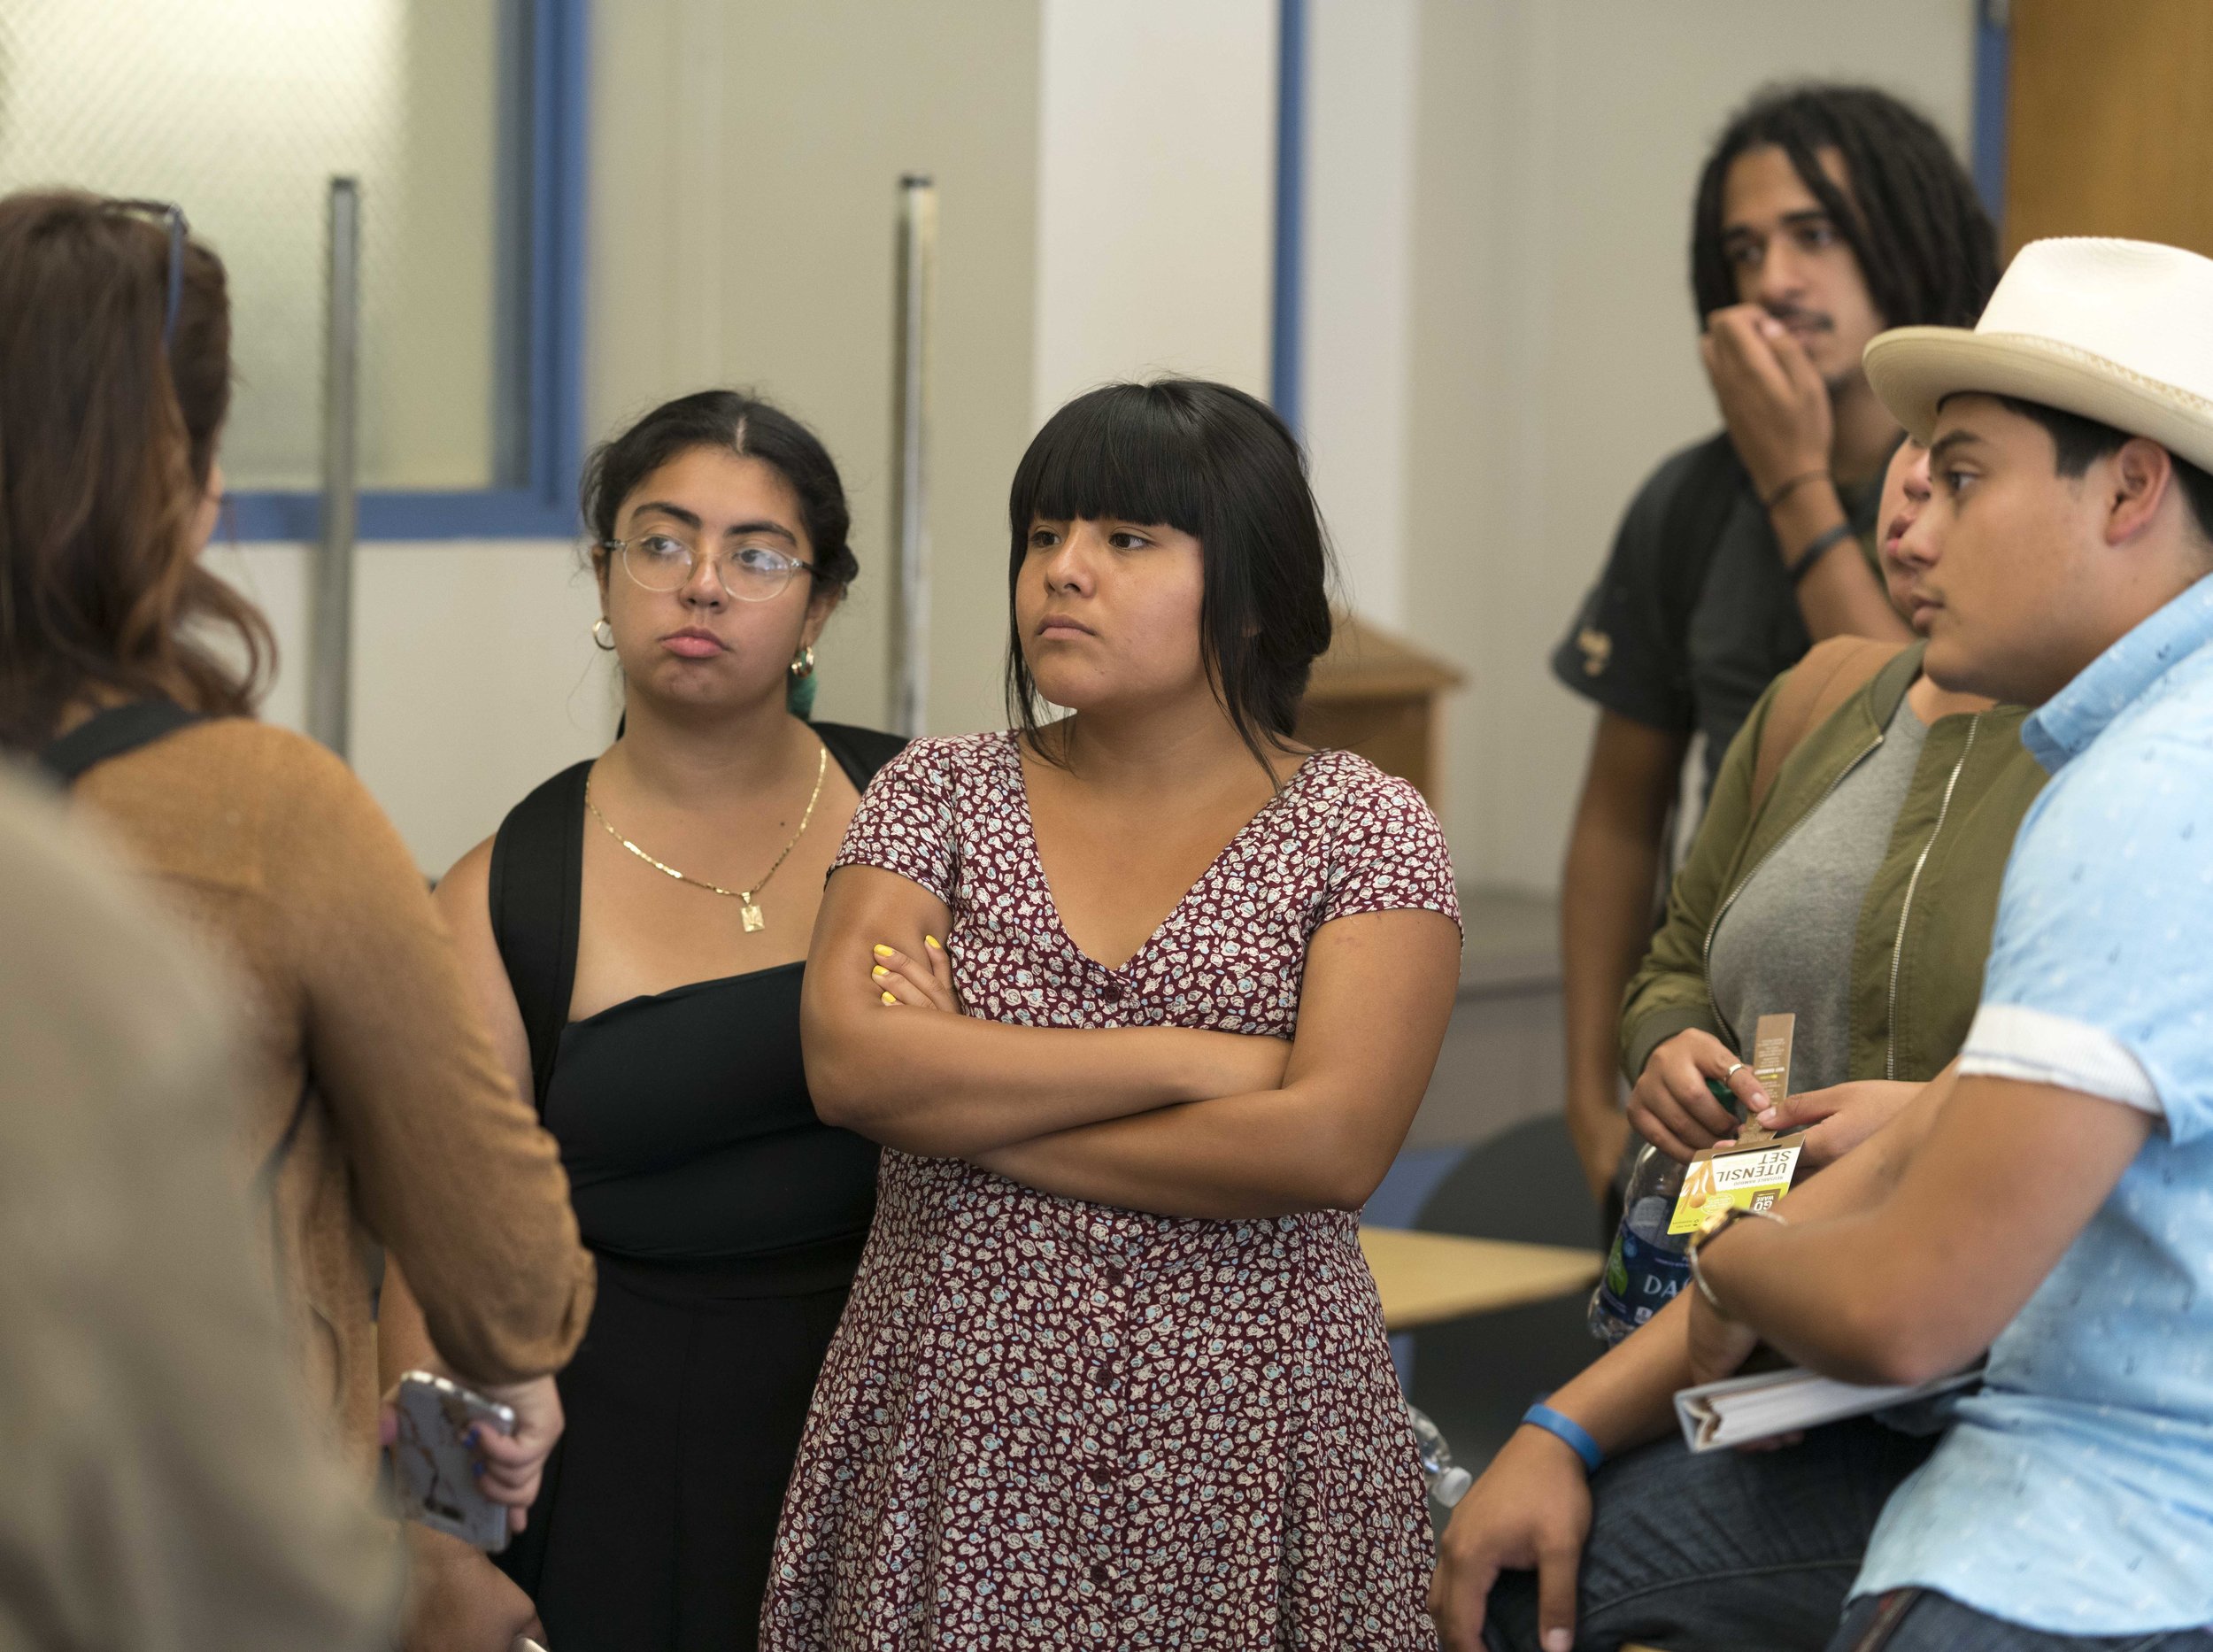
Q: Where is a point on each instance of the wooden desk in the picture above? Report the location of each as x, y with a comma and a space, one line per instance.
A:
1427, 1278
1378, 694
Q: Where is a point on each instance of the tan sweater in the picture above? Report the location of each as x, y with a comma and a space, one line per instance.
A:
269, 848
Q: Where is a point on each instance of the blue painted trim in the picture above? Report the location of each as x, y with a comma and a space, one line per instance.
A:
1291, 216
544, 505
557, 388
486, 514
1993, 85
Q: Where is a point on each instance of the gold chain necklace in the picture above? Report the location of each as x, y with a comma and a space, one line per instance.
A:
749, 909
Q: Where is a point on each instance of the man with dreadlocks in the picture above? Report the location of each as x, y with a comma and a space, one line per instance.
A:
1823, 215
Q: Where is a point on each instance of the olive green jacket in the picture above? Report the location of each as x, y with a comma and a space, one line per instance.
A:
1924, 928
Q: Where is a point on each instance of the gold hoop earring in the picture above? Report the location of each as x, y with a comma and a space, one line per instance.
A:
802, 666
605, 644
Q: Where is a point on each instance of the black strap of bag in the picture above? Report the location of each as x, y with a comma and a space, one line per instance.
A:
112, 733
537, 875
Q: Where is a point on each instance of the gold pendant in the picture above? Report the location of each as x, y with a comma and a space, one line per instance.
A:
751, 912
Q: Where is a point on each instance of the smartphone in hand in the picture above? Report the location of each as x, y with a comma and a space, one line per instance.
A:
434, 1468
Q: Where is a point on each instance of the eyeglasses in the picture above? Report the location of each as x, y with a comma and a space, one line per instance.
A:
172, 215
659, 560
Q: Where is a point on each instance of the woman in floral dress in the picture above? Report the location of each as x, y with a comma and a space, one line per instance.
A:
1141, 1002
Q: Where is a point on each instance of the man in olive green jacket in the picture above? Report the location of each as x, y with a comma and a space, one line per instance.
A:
1923, 929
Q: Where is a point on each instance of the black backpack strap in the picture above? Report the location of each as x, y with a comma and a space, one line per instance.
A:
536, 883
858, 752
1691, 531
110, 733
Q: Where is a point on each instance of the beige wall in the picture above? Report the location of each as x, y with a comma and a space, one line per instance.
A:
748, 238
1356, 331
1555, 362
474, 674
1156, 193
745, 155
1483, 395
428, 400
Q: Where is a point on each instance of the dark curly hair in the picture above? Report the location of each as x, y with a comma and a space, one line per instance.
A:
1912, 219
739, 422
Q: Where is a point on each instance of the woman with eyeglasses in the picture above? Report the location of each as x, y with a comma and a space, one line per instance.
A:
636, 932
372, 1111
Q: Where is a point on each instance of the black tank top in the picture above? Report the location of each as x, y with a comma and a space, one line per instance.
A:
683, 1117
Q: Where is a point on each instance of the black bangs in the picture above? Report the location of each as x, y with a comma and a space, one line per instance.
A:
1129, 452
1215, 463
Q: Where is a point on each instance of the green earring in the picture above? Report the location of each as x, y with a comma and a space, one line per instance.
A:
799, 699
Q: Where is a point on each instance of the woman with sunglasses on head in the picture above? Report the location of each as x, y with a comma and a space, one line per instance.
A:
374, 1111
1141, 1003
636, 932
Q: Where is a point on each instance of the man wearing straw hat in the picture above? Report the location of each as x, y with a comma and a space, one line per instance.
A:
2050, 1199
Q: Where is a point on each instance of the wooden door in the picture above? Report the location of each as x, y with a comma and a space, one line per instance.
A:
2110, 130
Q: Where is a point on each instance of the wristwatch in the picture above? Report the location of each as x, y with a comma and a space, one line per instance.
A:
1712, 1229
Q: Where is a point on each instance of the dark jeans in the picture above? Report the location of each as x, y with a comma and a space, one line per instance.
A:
1722, 1551
1727, 1551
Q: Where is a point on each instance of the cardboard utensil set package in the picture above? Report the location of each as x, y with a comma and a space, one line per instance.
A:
1757, 1169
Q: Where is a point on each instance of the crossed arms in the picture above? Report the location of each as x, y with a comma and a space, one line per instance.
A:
1162, 1119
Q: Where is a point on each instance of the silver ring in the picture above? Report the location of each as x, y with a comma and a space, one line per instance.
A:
1735, 1068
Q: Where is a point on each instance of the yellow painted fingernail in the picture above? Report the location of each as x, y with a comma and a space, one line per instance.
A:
879, 972
931, 940
890, 1000
883, 952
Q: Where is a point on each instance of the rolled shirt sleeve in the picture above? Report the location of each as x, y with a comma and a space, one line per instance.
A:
2039, 1047
2097, 981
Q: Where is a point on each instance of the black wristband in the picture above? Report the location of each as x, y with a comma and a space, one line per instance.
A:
1824, 542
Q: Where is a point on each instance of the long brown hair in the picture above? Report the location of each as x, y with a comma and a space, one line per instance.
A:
106, 442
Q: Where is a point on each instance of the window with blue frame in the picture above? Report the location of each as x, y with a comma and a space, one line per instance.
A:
463, 121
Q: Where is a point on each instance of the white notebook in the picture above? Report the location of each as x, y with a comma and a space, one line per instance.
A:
1739, 1410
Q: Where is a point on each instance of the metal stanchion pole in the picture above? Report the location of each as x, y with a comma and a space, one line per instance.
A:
909, 685
331, 649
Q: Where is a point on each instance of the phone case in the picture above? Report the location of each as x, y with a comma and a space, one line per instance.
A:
433, 1467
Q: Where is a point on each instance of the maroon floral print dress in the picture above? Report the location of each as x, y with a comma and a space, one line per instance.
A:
1045, 1423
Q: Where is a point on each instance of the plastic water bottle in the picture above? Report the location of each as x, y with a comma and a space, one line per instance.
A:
1447, 1481
1648, 1265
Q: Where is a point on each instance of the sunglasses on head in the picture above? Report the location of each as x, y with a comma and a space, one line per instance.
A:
173, 217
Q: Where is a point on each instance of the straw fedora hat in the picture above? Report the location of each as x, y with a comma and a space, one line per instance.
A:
2118, 331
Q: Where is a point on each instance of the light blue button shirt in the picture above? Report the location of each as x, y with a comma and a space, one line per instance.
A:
2075, 1493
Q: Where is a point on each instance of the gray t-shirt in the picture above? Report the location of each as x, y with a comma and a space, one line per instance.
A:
1694, 615
1785, 944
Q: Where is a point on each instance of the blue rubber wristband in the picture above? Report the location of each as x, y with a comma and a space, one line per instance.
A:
1559, 1424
